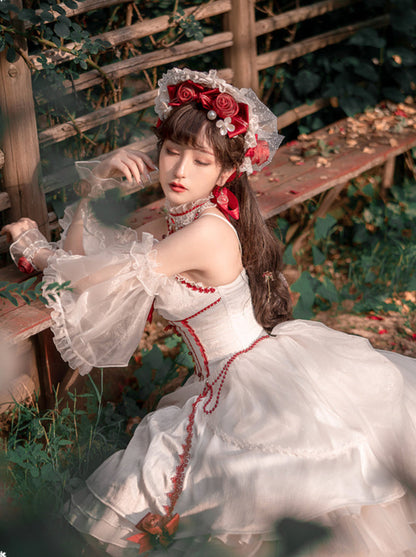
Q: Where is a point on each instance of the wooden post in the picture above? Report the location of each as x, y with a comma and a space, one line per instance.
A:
20, 140
242, 55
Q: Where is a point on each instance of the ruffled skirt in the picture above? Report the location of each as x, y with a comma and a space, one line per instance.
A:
311, 423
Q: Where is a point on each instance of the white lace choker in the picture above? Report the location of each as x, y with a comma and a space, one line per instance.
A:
179, 216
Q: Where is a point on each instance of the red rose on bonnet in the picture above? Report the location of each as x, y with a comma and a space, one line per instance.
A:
260, 153
225, 105
184, 92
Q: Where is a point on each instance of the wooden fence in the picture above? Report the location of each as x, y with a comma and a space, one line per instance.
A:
24, 187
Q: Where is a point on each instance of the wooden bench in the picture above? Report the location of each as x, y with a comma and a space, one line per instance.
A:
342, 151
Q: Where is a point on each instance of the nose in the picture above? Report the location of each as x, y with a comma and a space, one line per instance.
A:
181, 166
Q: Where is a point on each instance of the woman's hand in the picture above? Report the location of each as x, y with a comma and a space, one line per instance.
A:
133, 165
14, 230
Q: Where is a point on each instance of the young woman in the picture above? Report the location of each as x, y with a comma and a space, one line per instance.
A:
281, 418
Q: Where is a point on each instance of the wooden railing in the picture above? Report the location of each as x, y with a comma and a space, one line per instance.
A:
23, 194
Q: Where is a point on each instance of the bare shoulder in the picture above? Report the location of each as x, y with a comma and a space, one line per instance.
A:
213, 224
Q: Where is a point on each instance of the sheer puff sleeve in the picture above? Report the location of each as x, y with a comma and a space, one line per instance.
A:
99, 322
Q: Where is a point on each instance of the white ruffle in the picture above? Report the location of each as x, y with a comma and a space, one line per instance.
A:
100, 322
96, 236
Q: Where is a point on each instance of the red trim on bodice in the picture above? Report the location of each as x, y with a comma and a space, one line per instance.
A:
190, 337
184, 457
195, 287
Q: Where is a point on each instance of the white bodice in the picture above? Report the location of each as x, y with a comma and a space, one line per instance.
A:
214, 322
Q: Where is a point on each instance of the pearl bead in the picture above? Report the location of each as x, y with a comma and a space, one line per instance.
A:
211, 115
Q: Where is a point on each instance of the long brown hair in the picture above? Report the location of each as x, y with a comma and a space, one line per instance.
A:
261, 251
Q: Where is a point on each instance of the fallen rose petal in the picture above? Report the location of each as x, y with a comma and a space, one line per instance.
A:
383, 331
375, 317
414, 336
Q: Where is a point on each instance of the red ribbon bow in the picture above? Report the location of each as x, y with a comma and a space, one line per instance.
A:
226, 202
156, 530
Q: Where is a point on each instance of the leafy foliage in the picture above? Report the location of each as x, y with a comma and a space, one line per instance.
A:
375, 64
24, 290
374, 248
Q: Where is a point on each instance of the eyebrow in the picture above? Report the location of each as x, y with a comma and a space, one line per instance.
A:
194, 147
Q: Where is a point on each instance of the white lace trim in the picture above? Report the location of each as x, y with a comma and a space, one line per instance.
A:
58, 327
62, 338
262, 121
311, 454
28, 244
180, 216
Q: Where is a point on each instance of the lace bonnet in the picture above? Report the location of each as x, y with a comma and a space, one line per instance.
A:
259, 125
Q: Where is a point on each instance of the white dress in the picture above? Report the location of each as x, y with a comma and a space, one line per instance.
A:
306, 422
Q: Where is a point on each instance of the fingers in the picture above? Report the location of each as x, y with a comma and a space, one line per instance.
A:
15, 229
132, 165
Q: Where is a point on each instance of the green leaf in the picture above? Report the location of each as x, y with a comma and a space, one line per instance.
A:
62, 30
288, 258
28, 15
306, 81
28, 283
323, 226
4, 294
328, 291
172, 341
368, 37
318, 256
304, 285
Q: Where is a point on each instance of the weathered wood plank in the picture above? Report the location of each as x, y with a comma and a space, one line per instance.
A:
243, 49
84, 6
101, 116
25, 321
19, 139
83, 123
290, 190
270, 24
151, 60
136, 31
300, 112
312, 44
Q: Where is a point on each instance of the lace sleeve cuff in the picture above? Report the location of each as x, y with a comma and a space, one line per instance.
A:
27, 246
96, 186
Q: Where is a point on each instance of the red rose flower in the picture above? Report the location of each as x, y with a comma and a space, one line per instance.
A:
186, 92
225, 105
260, 153
25, 266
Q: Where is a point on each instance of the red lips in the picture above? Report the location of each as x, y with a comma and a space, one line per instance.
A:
177, 187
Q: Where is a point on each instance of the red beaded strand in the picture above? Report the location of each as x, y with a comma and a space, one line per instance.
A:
222, 376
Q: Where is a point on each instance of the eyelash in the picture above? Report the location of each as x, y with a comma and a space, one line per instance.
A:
173, 153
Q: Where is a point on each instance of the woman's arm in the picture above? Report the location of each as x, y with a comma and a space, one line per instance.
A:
128, 163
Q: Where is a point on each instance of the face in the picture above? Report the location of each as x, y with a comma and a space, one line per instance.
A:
189, 173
